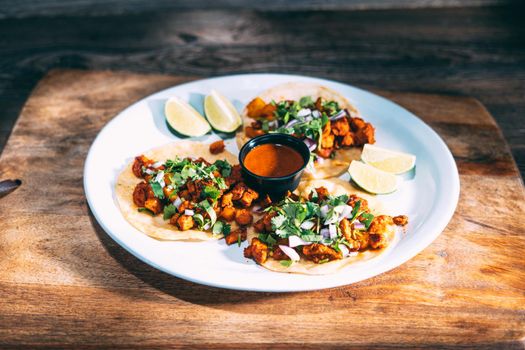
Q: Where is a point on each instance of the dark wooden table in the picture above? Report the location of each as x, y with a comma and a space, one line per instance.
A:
64, 283
472, 51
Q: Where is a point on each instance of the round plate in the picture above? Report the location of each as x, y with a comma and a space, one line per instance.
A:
428, 198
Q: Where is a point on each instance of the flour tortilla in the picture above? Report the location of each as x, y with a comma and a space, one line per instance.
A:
155, 226
336, 187
294, 91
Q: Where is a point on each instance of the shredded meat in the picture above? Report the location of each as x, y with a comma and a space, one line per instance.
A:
257, 250
238, 191
243, 217
353, 199
340, 127
317, 252
255, 107
265, 201
364, 132
228, 213
322, 194
251, 132
217, 147
140, 194
139, 162
267, 220
346, 229
154, 204
185, 222
235, 235
378, 231
226, 200
400, 220
259, 226
185, 205
324, 152
235, 176
278, 254
248, 197
327, 138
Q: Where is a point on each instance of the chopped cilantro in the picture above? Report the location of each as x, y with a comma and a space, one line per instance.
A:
226, 229
224, 167
265, 126
145, 210
157, 189
306, 101
211, 192
286, 263
332, 107
169, 211
355, 210
368, 219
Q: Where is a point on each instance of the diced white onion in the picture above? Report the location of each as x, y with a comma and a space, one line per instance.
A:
207, 226
292, 254
347, 212
344, 250
304, 112
324, 210
307, 225
325, 232
189, 212
177, 202
149, 171
333, 231
316, 114
294, 241
159, 176
162, 183
158, 164
359, 226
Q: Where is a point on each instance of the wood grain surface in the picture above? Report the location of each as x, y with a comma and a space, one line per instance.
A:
65, 283
478, 51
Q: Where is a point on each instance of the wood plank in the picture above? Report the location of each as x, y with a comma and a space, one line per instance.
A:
25, 8
65, 283
475, 52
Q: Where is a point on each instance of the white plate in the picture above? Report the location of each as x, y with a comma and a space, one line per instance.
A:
429, 198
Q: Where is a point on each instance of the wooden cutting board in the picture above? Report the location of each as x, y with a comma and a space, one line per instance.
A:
65, 283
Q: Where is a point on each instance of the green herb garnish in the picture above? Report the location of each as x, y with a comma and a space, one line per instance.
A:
169, 211
286, 263
157, 189
145, 210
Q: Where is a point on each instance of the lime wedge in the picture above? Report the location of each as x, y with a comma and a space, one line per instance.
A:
371, 179
221, 113
183, 118
390, 161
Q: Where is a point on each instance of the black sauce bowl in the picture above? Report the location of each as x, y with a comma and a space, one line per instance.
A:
275, 187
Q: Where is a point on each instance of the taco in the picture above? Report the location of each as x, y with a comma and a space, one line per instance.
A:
328, 123
182, 191
321, 230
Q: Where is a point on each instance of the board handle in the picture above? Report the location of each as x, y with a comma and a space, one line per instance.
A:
8, 186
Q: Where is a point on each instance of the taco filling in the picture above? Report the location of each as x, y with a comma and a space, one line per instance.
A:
319, 229
194, 194
323, 124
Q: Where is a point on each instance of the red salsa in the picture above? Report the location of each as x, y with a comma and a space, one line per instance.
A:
273, 160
